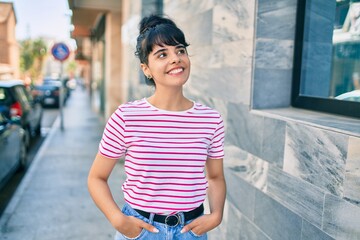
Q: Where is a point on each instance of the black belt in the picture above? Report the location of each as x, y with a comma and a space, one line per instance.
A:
173, 220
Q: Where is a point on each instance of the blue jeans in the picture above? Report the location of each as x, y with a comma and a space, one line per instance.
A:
165, 232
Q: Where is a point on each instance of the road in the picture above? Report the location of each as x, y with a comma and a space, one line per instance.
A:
50, 114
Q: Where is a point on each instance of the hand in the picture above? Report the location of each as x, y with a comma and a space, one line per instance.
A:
202, 224
131, 226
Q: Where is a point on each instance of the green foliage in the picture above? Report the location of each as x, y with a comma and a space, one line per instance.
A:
32, 56
71, 67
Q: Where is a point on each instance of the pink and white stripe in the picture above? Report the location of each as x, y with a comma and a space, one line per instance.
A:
165, 153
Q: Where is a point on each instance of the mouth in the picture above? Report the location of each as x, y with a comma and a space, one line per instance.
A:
176, 71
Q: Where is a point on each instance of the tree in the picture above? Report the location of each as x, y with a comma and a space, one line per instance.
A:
71, 67
32, 57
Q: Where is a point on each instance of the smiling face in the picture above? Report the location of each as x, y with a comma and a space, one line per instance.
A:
169, 66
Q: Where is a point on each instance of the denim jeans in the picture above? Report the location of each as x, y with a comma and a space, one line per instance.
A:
165, 232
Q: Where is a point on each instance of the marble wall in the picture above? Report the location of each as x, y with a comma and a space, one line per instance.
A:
274, 39
291, 174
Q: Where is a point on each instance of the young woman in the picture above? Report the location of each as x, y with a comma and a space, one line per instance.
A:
173, 149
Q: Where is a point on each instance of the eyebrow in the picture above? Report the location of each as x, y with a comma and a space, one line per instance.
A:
160, 50
165, 49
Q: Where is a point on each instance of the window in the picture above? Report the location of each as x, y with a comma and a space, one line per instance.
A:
327, 57
2, 94
22, 95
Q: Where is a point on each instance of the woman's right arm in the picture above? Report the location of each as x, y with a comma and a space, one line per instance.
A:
99, 188
101, 194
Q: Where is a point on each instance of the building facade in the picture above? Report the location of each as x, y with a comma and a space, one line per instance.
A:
291, 173
9, 49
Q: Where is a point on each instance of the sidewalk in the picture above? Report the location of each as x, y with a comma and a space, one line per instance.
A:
52, 201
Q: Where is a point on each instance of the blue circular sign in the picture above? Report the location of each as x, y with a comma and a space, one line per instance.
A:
60, 51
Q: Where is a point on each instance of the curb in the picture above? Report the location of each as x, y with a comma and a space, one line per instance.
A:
11, 207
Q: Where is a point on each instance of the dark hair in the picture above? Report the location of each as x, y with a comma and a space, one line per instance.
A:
157, 30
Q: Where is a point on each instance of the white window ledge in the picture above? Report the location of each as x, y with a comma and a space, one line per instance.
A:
342, 124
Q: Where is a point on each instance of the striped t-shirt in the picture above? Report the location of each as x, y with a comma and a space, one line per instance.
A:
165, 153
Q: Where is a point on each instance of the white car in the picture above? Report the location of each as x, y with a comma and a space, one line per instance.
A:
350, 96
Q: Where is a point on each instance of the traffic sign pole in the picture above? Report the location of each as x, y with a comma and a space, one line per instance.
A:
61, 106
61, 52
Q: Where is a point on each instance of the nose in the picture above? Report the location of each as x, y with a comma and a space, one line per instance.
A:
175, 59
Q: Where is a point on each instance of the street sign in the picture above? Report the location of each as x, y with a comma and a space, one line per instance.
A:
60, 51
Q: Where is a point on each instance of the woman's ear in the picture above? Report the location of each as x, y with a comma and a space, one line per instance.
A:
146, 70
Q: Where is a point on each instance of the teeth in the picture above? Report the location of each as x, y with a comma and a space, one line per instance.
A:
176, 71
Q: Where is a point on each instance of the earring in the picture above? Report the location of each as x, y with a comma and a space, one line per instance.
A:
149, 77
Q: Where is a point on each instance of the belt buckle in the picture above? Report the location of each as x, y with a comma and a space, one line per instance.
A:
170, 221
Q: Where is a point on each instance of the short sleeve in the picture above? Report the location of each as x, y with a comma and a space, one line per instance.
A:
112, 144
216, 148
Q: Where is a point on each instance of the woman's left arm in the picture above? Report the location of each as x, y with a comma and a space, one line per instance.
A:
216, 196
216, 189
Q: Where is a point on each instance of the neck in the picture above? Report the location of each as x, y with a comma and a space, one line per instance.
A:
170, 101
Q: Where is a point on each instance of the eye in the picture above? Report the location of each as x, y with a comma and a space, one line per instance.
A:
162, 55
181, 51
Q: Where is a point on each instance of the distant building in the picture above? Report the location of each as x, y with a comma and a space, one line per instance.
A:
9, 49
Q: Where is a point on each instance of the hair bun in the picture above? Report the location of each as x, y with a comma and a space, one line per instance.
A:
152, 21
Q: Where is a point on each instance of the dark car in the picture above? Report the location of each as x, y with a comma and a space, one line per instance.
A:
12, 148
49, 92
17, 104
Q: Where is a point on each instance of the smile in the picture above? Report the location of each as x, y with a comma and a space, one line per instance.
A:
176, 71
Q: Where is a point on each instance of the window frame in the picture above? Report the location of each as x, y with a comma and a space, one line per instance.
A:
327, 105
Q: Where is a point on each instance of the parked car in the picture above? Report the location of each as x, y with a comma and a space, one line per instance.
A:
17, 104
350, 96
12, 148
48, 93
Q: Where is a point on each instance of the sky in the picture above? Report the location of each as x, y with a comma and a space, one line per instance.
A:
42, 18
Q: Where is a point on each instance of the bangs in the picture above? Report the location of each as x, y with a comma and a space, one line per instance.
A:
164, 35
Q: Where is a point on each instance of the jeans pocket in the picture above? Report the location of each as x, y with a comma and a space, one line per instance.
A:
202, 236
120, 236
128, 211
